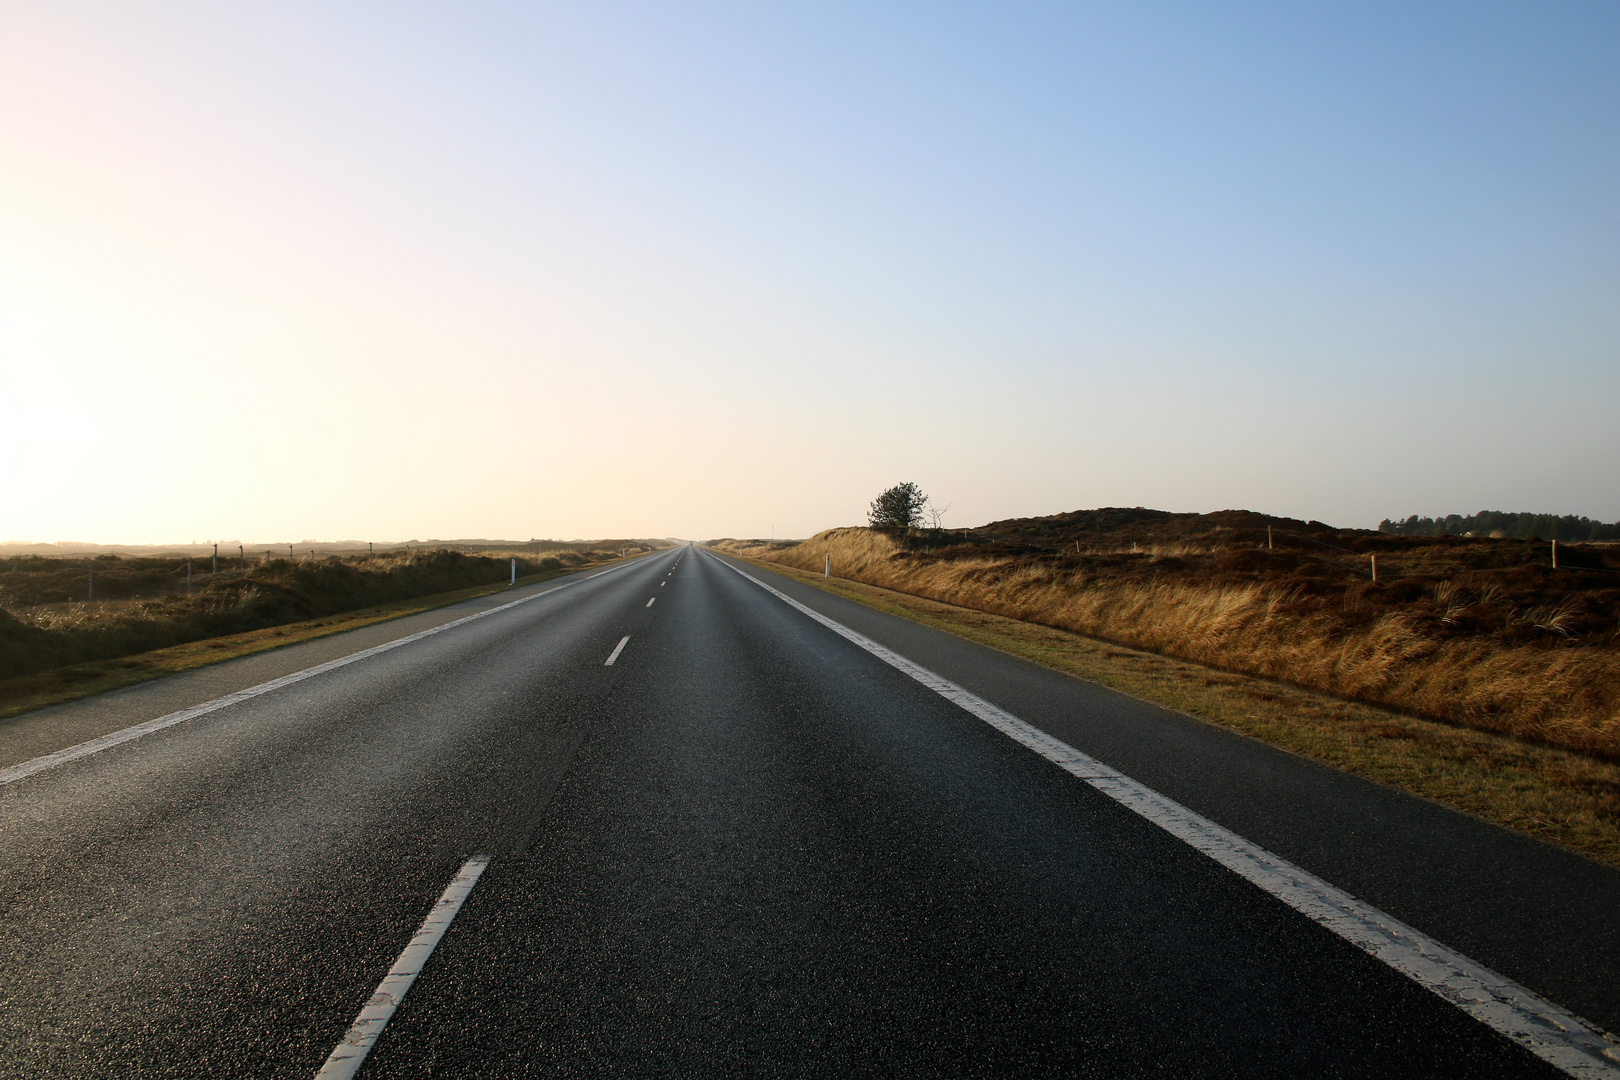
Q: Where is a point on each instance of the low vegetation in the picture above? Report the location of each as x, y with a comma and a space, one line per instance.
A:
48, 622
1560, 796
29, 692
1477, 632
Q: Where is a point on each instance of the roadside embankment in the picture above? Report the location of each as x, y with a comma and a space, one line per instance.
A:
1500, 650
50, 651
1566, 798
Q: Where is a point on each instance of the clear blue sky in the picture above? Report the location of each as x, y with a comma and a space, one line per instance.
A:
301, 270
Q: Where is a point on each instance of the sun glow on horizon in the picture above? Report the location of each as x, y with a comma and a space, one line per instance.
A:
559, 272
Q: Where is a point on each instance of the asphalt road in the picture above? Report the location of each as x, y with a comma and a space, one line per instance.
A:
748, 847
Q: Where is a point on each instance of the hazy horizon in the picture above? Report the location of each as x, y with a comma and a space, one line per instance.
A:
260, 546
717, 270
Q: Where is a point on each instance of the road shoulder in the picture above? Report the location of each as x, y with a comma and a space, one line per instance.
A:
1546, 917
188, 675
1556, 796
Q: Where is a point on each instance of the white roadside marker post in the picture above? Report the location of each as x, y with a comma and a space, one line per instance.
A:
828, 572
514, 571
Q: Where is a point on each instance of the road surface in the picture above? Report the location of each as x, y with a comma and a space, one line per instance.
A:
749, 846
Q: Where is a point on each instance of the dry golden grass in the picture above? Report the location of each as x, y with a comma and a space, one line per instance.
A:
1560, 796
37, 690
1567, 698
148, 603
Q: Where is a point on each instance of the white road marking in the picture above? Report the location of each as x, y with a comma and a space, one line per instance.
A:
617, 649
13, 773
1549, 1031
362, 1036
650, 602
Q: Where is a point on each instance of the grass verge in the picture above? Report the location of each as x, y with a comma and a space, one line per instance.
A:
1503, 651
29, 692
1555, 795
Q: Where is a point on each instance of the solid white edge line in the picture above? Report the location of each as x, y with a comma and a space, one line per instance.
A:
1549, 1031
617, 649
345, 1059
13, 773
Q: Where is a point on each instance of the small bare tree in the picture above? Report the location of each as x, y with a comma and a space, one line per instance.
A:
901, 507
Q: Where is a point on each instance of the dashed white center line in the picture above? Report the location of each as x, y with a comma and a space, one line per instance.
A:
650, 602
660, 584
617, 649
362, 1036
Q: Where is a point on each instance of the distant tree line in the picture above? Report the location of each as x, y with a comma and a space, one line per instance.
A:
1497, 523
